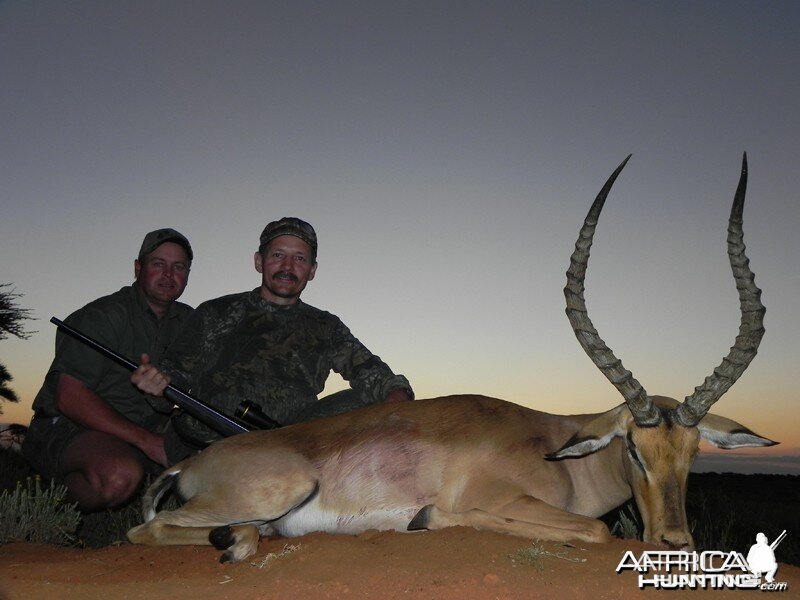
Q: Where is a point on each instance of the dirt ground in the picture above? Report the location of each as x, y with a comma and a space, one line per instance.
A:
448, 564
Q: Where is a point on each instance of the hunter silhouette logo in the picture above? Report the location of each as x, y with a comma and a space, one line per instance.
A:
761, 558
680, 569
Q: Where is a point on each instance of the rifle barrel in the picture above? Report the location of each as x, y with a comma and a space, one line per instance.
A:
199, 410
778, 540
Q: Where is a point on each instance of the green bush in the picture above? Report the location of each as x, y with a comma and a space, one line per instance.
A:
33, 514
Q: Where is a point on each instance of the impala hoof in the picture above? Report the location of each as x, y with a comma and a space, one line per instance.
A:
421, 519
222, 537
238, 541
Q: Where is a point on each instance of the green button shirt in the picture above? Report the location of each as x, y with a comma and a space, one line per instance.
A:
124, 322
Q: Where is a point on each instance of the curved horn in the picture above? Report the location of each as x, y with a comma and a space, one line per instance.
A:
751, 329
644, 411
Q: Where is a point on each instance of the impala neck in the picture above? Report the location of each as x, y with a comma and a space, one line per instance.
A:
600, 481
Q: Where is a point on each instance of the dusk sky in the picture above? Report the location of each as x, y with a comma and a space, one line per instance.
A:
446, 153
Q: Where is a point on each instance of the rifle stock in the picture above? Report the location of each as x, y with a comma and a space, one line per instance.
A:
218, 421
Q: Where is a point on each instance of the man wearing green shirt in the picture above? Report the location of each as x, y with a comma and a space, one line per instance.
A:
92, 430
269, 348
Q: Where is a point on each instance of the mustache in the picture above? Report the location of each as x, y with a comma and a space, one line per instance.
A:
285, 275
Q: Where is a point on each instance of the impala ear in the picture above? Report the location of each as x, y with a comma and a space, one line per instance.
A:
727, 434
596, 434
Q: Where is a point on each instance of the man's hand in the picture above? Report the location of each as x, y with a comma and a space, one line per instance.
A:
148, 379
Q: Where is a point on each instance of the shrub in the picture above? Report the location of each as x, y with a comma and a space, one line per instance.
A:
628, 525
33, 514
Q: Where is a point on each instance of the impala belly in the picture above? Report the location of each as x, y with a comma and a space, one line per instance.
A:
314, 517
381, 485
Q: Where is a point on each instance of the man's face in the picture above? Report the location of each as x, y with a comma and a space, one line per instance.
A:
162, 275
286, 266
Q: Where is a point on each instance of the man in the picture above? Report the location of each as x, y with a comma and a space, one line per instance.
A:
269, 348
761, 558
92, 430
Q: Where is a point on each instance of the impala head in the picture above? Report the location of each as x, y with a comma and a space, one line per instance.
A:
661, 435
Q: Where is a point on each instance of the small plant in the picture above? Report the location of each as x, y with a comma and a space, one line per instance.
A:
287, 549
536, 552
32, 514
628, 525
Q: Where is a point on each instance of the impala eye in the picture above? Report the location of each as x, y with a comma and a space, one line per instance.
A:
634, 454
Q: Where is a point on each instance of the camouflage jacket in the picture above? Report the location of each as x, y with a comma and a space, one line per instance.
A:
242, 348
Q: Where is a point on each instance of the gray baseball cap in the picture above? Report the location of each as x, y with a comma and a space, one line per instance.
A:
155, 238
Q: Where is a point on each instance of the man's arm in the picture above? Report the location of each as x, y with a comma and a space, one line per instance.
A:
83, 406
365, 371
398, 395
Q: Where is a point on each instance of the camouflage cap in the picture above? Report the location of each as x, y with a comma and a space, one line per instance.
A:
155, 238
289, 226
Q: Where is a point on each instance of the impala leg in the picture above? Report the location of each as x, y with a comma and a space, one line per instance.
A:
525, 517
224, 520
238, 541
172, 528
159, 533
573, 526
190, 524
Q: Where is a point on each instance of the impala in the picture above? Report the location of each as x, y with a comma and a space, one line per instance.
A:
470, 460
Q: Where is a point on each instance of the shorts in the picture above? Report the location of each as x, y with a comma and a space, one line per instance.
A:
48, 438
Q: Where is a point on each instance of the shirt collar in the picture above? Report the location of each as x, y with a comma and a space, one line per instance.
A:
141, 302
256, 299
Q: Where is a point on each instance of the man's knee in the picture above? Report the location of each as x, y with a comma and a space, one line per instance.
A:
112, 480
101, 470
120, 480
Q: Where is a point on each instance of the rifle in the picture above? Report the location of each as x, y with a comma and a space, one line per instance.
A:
201, 411
777, 540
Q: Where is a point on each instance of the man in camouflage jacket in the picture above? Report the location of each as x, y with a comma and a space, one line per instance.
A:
269, 348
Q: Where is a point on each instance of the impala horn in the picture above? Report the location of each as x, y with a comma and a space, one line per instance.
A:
751, 329
644, 410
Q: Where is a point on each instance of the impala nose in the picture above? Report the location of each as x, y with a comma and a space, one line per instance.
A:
677, 540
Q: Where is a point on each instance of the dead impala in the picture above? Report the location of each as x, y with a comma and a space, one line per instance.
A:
470, 460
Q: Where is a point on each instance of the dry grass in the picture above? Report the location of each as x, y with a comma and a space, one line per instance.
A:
537, 552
